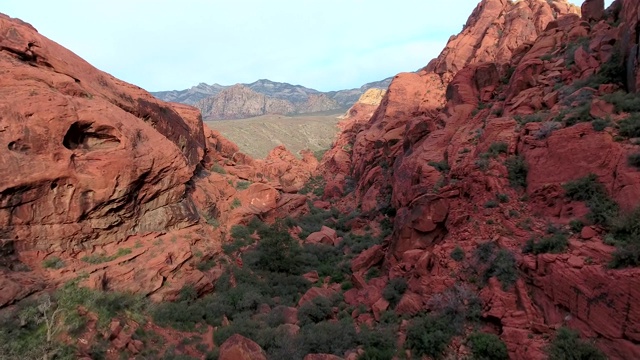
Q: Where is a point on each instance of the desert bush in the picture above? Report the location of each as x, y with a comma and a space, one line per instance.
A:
623, 101
630, 127
503, 198
442, 166
567, 345
504, 268
429, 335
315, 185
486, 346
218, 169
457, 254
572, 47
314, 311
634, 160
525, 119
517, 171
546, 129
491, 204
328, 337
102, 258
242, 185
588, 189
53, 262
497, 148
554, 243
626, 232
600, 124
394, 290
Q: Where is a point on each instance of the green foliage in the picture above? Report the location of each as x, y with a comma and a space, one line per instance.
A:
567, 345
486, 346
630, 127
502, 264
504, 268
236, 203
589, 190
525, 119
429, 335
634, 160
442, 166
623, 101
314, 311
102, 258
497, 148
626, 232
394, 290
457, 254
315, 185
555, 243
491, 204
600, 124
576, 225
218, 168
318, 154
517, 171
53, 262
503, 198
572, 47
242, 185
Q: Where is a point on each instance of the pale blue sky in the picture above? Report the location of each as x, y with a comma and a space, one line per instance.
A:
170, 45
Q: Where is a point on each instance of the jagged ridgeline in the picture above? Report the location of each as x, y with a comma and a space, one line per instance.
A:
484, 207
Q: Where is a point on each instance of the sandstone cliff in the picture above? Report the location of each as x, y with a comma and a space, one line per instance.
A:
475, 149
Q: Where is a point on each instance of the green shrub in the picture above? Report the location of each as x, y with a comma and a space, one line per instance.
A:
525, 119
102, 258
576, 225
588, 189
497, 148
517, 171
554, 244
504, 268
630, 127
484, 252
53, 262
429, 335
442, 166
236, 203
457, 254
623, 101
217, 168
328, 337
503, 198
567, 345
314, 311
394, 290
486, 346
634, 160
626, 232
318, 154
491, 204
315, 185
600, 124
572, 47
242, 185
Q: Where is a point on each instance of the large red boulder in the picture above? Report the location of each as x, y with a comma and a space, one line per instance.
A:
238, 347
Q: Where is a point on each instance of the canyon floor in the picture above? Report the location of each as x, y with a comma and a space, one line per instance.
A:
258, 135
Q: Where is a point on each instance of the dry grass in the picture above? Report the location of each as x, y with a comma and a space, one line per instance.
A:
257, 136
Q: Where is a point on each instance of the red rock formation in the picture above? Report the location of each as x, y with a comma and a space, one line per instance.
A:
238, 347
426, 152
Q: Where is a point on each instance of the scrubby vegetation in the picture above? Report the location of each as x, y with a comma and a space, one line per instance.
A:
487, 347
500, 264
567, 345
517, 171
624, 228
315, 185
102, 258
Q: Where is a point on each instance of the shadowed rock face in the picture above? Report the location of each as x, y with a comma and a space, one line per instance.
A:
423, 153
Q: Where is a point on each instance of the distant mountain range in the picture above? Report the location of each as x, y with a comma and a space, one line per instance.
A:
263, 97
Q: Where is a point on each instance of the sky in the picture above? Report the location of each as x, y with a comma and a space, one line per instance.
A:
173, 45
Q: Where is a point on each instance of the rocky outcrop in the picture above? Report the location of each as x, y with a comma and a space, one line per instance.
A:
438, 153
238, 102
105, 180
